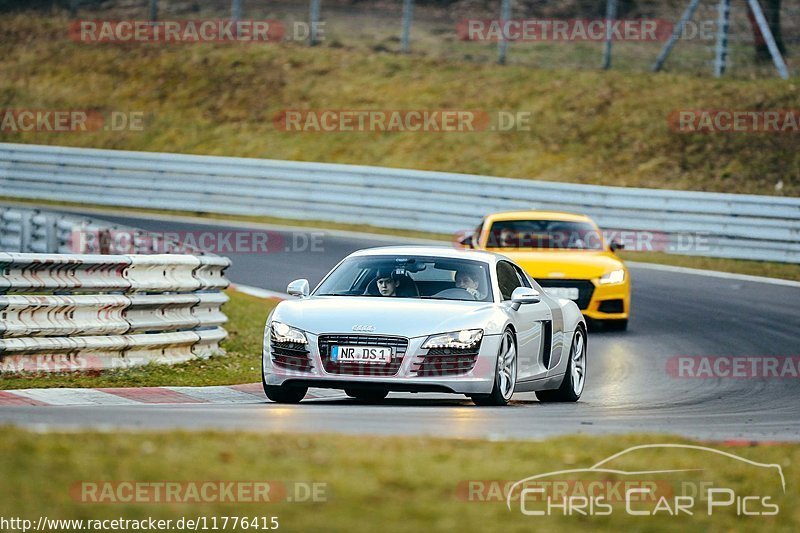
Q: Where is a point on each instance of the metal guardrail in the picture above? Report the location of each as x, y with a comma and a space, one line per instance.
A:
63, 312
37, 231
731, 225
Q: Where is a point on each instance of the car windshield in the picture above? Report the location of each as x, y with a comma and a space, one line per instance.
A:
435, 278
544, 234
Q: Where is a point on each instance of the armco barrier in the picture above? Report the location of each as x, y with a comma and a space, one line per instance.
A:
38, 231
80, 312
729, 225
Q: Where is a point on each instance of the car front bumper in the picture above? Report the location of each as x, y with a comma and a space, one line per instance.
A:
478, 380
609, 302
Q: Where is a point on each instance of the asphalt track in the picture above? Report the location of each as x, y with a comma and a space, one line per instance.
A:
629, 387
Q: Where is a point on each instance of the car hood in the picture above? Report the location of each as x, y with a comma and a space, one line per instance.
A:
388, 316
567, 264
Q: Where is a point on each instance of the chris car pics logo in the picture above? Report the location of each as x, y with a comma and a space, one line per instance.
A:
694, 487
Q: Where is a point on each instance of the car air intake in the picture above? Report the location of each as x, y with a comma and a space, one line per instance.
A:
612, 306
448, 361
291, 356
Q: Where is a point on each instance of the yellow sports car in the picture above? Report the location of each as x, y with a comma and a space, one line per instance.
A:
567, 255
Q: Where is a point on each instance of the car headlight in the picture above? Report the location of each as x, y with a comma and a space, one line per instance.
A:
460, 340
283, 333
615, 276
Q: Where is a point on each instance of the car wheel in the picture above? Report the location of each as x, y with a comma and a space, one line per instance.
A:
505, 377
367, 395
575, 377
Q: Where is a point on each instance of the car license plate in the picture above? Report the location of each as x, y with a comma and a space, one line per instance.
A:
570, 293
361, 354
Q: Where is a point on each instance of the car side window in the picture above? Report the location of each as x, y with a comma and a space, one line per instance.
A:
523, 278
507, 279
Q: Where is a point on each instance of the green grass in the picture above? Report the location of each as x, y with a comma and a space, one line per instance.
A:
587, 126
395, 484
241, 364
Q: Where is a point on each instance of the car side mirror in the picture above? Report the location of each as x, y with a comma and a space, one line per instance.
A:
467, 241
299, 287
524, 296
616, 246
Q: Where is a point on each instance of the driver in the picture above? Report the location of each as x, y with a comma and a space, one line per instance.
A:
468, 280
387, 282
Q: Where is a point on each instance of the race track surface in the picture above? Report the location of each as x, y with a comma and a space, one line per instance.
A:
629, 386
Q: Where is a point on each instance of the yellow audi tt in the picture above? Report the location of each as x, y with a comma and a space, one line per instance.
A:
567, 255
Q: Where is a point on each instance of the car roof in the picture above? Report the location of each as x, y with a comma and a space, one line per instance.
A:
539, 215
430, 251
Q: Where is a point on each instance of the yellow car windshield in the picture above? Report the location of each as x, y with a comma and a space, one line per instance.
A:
544, 234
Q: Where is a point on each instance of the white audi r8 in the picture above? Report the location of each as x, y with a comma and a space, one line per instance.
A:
425, 319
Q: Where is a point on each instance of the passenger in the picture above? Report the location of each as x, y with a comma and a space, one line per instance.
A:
467, 280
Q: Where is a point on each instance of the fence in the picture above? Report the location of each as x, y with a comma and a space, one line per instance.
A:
734, 226
431, 28
90, 312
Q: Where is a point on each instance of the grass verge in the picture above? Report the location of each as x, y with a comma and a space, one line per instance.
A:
246, 318
734, 266
397, 484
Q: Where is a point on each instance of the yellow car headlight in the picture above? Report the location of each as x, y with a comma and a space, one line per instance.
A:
615, 276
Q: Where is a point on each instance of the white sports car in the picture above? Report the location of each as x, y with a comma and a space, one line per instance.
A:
425, 319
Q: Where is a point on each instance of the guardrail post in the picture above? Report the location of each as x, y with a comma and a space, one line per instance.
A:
25, 228
51, 234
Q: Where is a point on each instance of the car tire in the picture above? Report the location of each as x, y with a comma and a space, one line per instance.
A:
574, 381
505, 375
367, 395
285, 393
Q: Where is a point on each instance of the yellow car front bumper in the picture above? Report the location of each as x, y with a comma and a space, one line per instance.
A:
609, 302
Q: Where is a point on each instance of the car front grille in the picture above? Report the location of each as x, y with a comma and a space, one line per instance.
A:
447, 362
291, 356
585, 289
325, 342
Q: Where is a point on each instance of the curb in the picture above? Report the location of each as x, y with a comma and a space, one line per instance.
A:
250, 393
